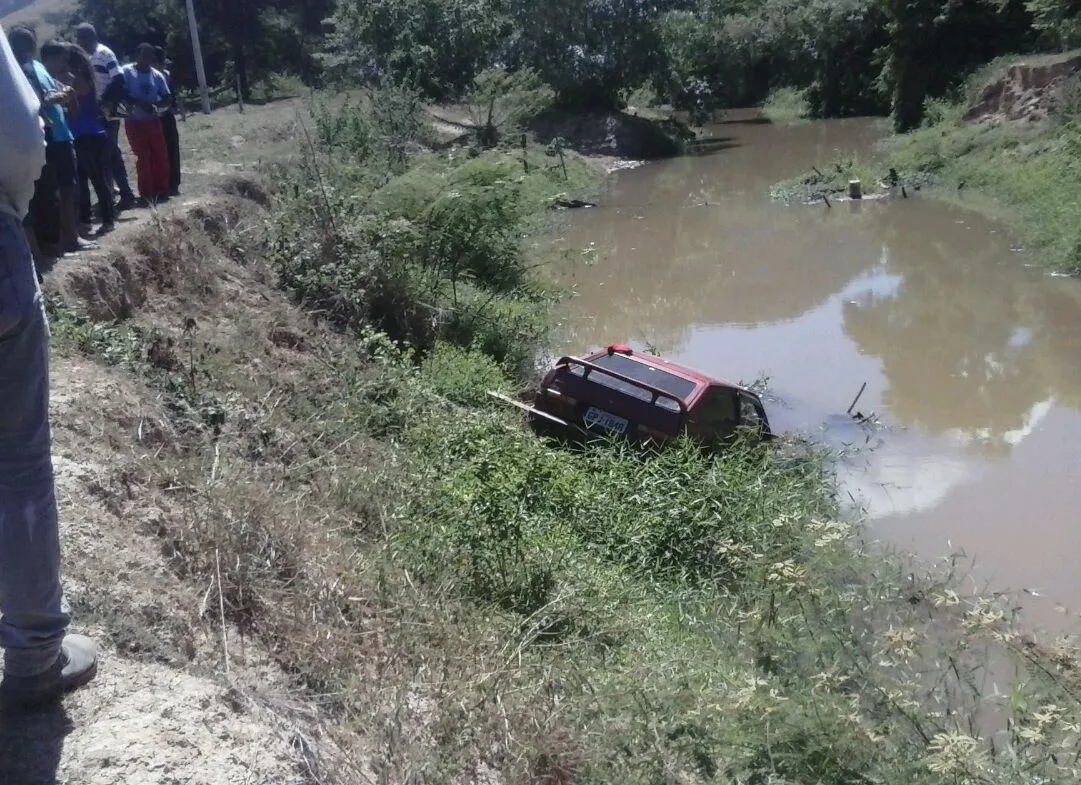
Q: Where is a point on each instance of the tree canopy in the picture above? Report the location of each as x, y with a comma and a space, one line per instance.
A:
849, 56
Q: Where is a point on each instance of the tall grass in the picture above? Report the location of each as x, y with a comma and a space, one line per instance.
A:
787, 106
464, 601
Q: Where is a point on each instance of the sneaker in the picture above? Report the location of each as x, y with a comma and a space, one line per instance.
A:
76, 665
126, 203
105, 229
82, 245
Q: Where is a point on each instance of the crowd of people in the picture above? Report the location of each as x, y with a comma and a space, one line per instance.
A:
85, 96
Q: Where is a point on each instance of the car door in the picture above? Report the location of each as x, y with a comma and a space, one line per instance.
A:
715, 415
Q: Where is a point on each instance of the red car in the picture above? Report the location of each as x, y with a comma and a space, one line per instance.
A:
644, 398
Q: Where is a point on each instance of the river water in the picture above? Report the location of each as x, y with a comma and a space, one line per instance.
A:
971, 355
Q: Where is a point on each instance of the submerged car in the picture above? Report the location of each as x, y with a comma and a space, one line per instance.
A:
644, 398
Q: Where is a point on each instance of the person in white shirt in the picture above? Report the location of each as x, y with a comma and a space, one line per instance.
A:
110, 85
41, 659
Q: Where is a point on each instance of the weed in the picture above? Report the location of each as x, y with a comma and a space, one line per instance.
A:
500, 608
787, 106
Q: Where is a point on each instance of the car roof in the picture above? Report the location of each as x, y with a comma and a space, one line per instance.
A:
700, 379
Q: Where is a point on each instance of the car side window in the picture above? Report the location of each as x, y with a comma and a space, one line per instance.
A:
716, 415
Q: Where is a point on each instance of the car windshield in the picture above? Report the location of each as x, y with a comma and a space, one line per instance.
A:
655, 377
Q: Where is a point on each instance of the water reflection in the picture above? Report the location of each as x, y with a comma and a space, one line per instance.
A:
968, 354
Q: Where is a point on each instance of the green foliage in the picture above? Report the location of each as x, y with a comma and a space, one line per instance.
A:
432, 253
501, 100
786, 106
708, 614
587, 51
116, 343
439, 45
463, 376
242, 41
1057, 21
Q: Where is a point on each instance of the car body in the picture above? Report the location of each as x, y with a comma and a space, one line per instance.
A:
617, 391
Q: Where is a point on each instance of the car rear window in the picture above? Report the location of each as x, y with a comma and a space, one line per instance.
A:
655, 377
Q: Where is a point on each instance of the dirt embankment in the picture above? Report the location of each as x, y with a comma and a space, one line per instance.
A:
1027, 92
615, 135
181, 696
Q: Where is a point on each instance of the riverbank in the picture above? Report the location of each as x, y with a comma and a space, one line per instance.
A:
302, 426
1010, 141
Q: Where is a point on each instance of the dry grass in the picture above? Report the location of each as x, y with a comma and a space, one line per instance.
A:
244, 445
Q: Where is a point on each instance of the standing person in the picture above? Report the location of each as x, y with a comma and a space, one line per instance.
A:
41, 225
53, 75
147, 93
110, 86
53, 207
91, 143
41, 660
168, 124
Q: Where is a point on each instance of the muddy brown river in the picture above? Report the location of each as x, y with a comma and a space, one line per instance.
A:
971, 355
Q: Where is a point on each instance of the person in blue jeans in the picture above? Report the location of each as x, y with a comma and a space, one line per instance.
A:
41, 659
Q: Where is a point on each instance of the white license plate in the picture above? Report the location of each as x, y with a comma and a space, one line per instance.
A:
599, 418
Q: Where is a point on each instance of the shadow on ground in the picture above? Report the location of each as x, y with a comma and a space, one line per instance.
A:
31, 744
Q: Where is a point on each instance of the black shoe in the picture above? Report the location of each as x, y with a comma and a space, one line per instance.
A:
76, 665
127, 203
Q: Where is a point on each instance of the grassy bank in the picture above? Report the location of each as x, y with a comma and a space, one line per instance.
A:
1026, 171
461, 601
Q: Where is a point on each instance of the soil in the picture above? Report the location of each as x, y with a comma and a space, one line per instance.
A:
180, 696
175, 700
1027, 92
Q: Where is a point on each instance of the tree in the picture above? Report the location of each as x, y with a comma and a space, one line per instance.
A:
439, 45
243, 40
498, 99
588, 50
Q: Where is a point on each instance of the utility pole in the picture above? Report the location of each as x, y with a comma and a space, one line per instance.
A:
197, 50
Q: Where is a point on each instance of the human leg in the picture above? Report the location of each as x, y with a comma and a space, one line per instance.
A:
37, 661
172, 144
96, 152
61, 156
140, 146
115, 165
44, 214
82, 156
160, 152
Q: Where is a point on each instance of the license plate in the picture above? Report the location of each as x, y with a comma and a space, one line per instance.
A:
599, 418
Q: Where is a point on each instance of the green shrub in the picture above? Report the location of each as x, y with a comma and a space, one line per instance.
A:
786, 106
463, 376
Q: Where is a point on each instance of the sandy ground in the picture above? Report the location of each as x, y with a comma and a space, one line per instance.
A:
161, 710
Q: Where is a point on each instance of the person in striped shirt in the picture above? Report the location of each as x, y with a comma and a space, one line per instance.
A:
111, 89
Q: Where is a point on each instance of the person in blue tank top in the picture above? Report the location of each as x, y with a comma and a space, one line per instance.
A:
91, 144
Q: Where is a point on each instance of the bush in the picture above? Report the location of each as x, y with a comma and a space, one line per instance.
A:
786, 106
463, 376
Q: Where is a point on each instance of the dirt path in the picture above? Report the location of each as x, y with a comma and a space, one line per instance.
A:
159, 711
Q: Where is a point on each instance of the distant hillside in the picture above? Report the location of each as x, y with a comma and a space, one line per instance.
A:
45, 16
